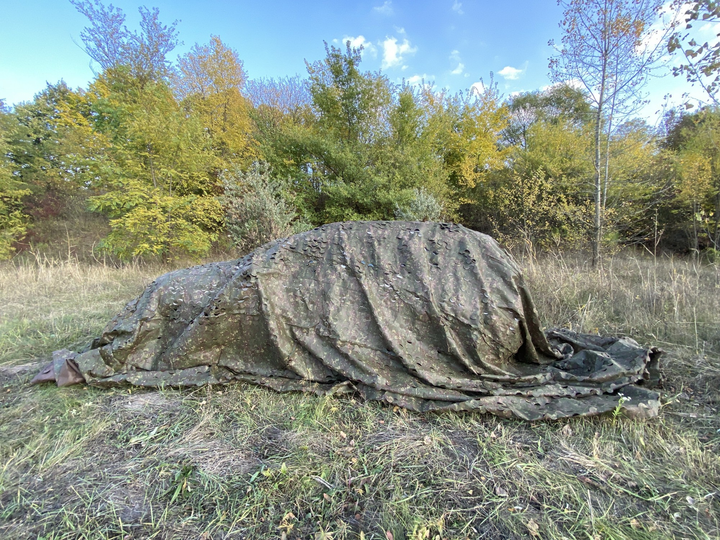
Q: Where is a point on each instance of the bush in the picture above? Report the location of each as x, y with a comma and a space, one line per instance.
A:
258, 208
423, 207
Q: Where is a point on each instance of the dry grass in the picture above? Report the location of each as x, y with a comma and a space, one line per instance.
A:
667, 301
60, 303
245, 462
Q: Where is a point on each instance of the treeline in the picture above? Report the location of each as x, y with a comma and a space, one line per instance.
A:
182, 157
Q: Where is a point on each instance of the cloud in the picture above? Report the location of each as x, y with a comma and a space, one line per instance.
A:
455, 57
510, 73
478, 88
358, 42
424, 81
386, 9
457, 7
420, 79
394, 52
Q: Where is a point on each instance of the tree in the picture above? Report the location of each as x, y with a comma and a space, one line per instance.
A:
467, 128
209, 81
258, 208
54, 150
359, 150
158, 188
13, 219
111, 44
695, 140
539, 196
694, 181
608, 48
286, 96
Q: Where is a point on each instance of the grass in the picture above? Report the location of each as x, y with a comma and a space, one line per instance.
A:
244, 462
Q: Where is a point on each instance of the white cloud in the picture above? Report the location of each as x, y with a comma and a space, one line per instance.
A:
510, 73
418, 80
394, 52
386, 9
455, 57
477, 88
457, 7
360, 41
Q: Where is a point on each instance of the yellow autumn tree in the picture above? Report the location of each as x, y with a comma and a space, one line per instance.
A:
209, 80
694, 181
159, 190
466, 128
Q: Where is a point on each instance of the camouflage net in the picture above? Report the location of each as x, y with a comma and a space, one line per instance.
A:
427, 316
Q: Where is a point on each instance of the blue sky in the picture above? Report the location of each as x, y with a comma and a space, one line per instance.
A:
453, 43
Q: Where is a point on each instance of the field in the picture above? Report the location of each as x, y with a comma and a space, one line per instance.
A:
244, 462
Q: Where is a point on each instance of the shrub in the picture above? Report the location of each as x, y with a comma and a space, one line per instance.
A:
423, 207
258, 208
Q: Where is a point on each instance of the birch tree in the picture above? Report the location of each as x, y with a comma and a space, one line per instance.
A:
609, 48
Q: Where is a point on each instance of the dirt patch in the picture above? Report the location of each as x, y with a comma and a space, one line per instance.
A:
150, 401
214, 457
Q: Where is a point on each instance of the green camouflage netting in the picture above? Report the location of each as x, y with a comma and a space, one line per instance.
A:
428, 316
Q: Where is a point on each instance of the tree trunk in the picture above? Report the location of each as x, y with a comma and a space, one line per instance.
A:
597, 225
695, 240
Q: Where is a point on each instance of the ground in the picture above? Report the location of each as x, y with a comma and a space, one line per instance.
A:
240, 461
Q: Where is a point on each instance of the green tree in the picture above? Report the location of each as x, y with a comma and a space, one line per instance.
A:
641, 183
695, 138
258, 207
694, 182
466, 130
539, 197
359, 150
13, 220
531, 212
54, 150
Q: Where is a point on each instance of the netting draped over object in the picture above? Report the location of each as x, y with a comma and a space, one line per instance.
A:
427, 316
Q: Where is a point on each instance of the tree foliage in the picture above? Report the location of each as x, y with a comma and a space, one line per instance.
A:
158, 188
209, 80
178, 155
695, 139
702, 60
12, 190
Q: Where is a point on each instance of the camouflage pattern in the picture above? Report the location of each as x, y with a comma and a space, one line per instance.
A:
428, 316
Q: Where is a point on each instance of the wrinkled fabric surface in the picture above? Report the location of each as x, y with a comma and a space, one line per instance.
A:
427, 316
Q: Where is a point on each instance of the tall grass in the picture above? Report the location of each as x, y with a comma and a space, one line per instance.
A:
244, 462
48, 304
668, 301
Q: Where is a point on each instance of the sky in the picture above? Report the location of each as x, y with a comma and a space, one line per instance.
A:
450, 43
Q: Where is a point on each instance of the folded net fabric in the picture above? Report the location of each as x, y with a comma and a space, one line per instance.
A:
427, 316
